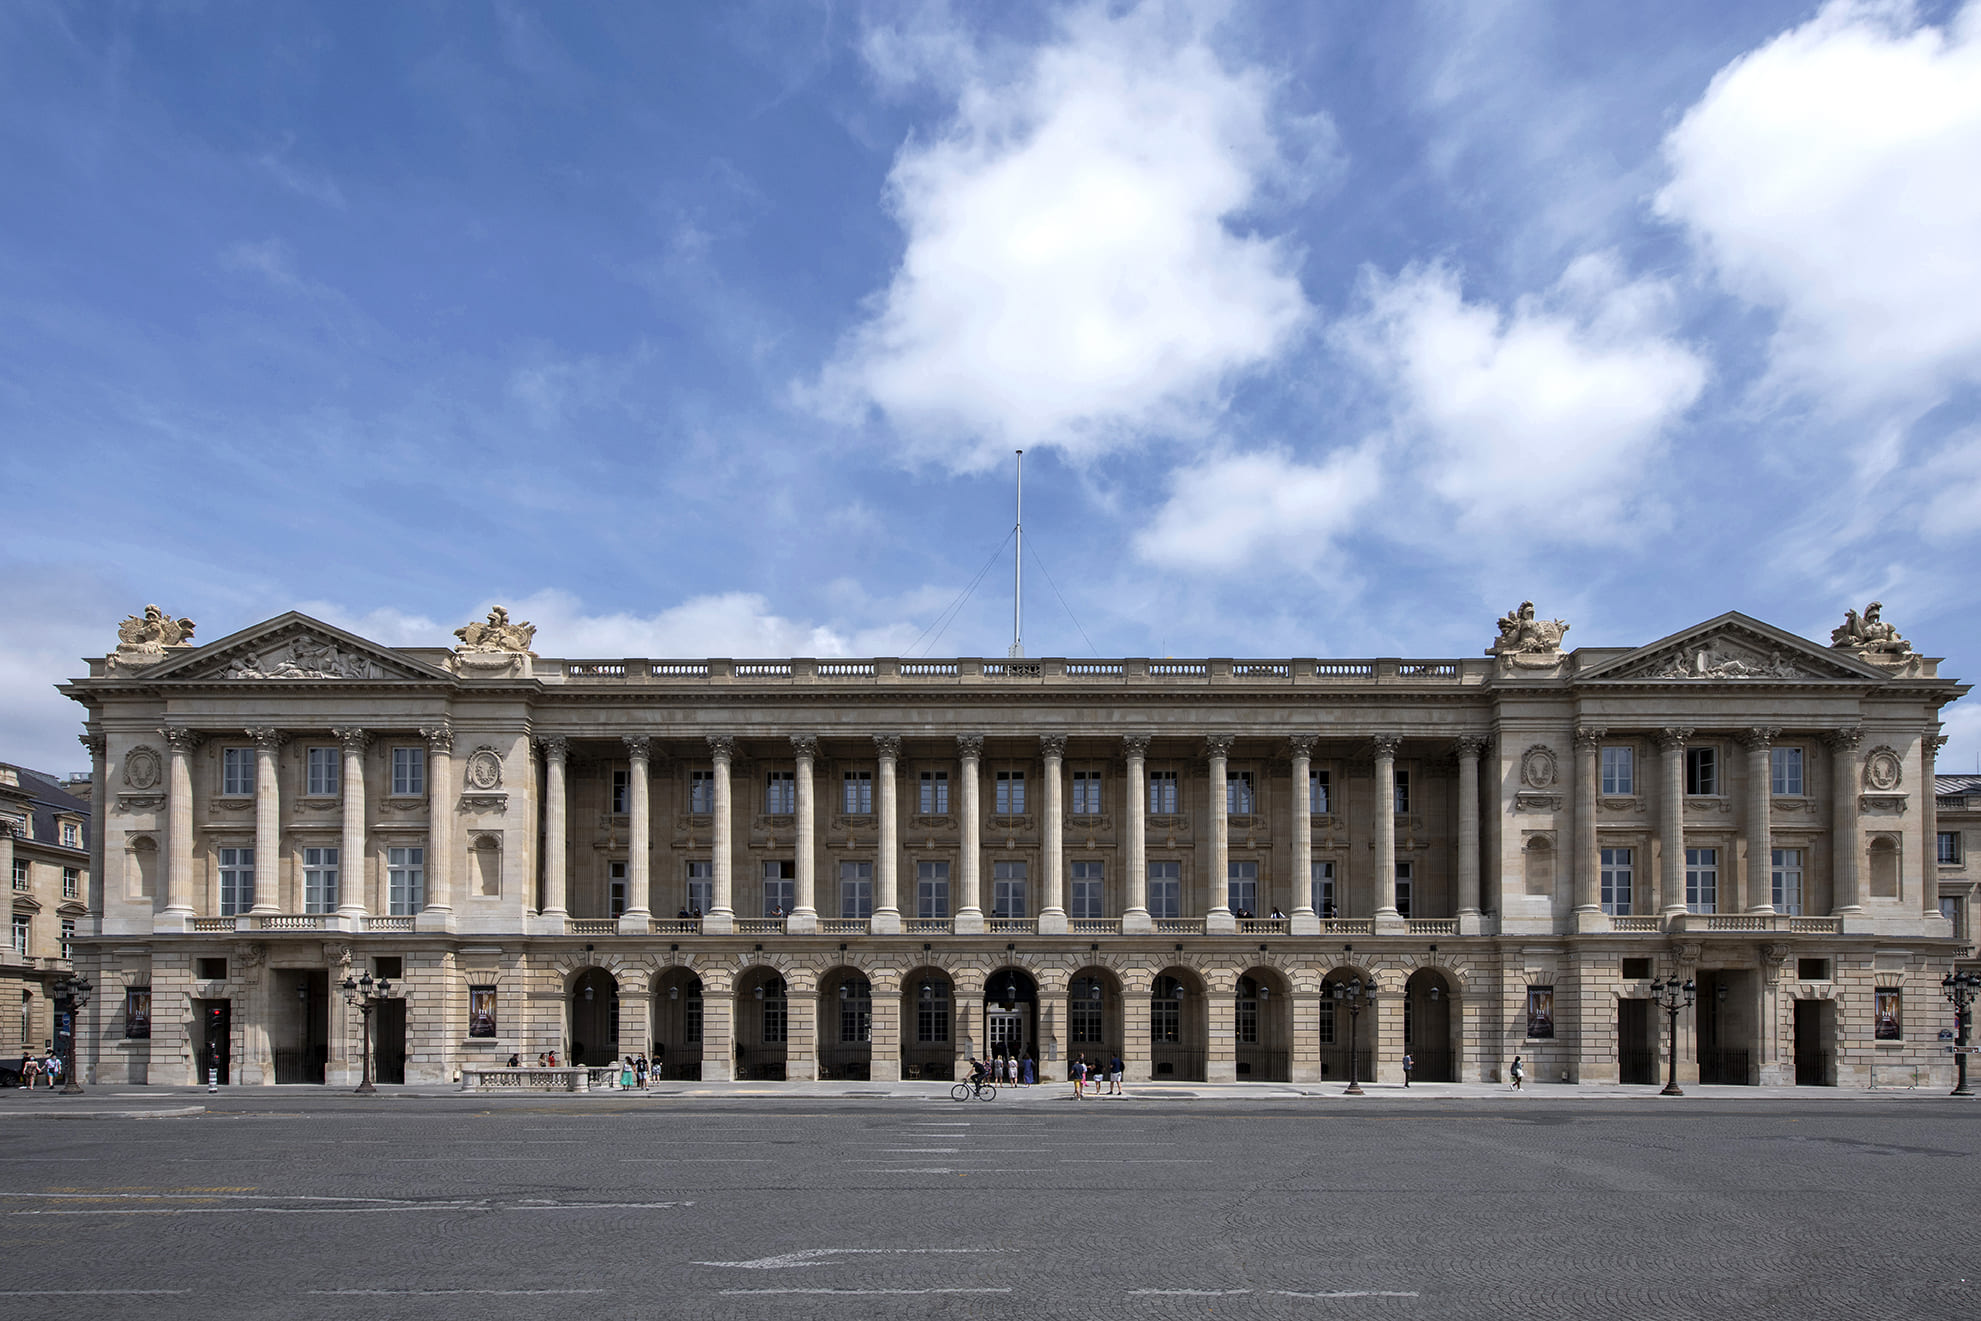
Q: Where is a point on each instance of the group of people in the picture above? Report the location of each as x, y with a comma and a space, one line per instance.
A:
634, 1070
1276, 915
33, 1070
1011, 1069
1084, 1073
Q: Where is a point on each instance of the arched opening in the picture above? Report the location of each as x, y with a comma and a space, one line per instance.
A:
1347, 1038
1093, 1017
1427, 1027
594, 1036
1179, 1027
1261, 1030
846, 1025
763, 1026
1011, 1018
928, 1025
1537, 865
1884, 867
677, 1026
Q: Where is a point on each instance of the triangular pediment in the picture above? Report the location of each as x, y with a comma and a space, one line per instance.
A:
1734, 648
292, 647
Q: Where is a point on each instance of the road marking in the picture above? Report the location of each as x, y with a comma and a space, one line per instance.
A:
87, 1293
423, 1293
694, 1160
817, 1257
921, 1151
854, 1292
1280, 1293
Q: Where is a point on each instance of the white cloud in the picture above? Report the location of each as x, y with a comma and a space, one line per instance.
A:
1953, 499
1267, 509
1544, 419
1073, 273
1832, 176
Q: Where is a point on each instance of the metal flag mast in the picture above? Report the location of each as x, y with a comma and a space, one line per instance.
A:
1018, 570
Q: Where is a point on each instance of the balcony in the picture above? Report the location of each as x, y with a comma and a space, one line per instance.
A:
677, 926
1638, 925
592, 926
926, 926
843, 926
1179, 926
1348, 926
376, 923
1010, 926
1753, 922
759, 926
1262, 926
1094, 926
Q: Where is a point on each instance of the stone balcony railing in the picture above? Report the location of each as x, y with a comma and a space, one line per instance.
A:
888, 671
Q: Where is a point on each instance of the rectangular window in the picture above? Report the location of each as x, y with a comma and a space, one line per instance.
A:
1619, 771
1242, 887
23, 933
1788, 881
781, 793
622, 792
1010, 795
405, 881
1326, 1034
1702, 771
237, 771
1812, 970
23, 878
1702, 880
701, 793
1318, 793
323, 771
856, 891
1541, 1012
1165, 1020
856, 1012
1949, 848
1089, 890
1889, 1014
932, 892
1166, 890
237, 881
775, 1018
615, 889
72, 883
935, 793
1245, 1022
1162, 793
1083, 1014
1403, 793
1008, 889
1618, 872
1404, 876
780, 887
137, 1013
1322, 881
1785, 771
68, 937
1238, 793
701, 887
210, 970
1954, 911
1086, 793
320, 880
72, 835
408, 772
932, 1014
857, 794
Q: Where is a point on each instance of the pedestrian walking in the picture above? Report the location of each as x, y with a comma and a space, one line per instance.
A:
1080, 1075
1519, 1072
1408, 1065
1114, 1076
1030, 1075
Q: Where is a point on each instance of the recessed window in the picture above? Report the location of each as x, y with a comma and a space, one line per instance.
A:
1785, 771
934, 799
1086, 793
1541, 1012
856, 796
23, 934
1702, 880
1637, 970
237, 881
1162, 793
1787, 894
1238, 793
320, 880
1243, 887
1403, 793
1008, 889
615, 889
1009, 799
1404, 873
408, 772
389, 968
701, 887
780, 887
237, 771
701, 792
932, 891
1949, 848
72, 883
137, 1013
781, 793
68, 937
1812, 970
1321, 881
622, 792
1619, 770
1702, 771
405, 881
1166, 890
856, 891
1618, 872
72, 836
322, 771
1318, 793
210, 970
1089, 888
1888, 1014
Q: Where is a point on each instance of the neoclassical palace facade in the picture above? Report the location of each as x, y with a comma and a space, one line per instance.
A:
798, 868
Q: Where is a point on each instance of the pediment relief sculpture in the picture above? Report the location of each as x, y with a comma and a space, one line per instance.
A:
142, 640
1718, 660
495, 648
304, 656
1528, 640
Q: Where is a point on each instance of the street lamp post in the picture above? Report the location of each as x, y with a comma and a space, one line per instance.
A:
1353, 993
1960, 988
76, 991
365, 995
1674, 995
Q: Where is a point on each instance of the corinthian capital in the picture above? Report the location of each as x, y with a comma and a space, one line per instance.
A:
1053, 746
887, 747
1589, 737
1303, 744
180, 739
1843, 740
638, 746
555, 746
1471, 745
1219, 745
1135, 745
804, 747
722, 748
353, 740
969, 746
1386, 744
1759, 738
439, 738
1672, 738
267, 739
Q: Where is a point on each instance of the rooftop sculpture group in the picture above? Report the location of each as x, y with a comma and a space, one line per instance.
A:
142, 639
495, 649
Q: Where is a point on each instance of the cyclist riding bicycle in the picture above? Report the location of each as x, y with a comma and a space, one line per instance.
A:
979, 1071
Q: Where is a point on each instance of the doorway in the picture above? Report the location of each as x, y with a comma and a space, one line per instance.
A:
300, 1046
216, 1029
388, 1042
1727, 1025
1011, 1023
1815, 1028
594, 1018
677, 1027
1636, 1043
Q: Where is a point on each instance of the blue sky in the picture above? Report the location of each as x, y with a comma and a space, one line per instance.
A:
710, 329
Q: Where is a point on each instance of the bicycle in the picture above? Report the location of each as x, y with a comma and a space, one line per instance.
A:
963, 1090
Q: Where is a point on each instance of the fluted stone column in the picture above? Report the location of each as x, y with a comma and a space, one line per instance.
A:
1052, 912
1760, 803
556, 824
1587, 892
1135, 840
1471, 898
438, 914
1217, 903
969, 880
887, 867
99, 771
637, 920
804, 903
351, 840
178, 908
1386, 914
721, 916
1929, 752
1671, 819
268, 822
1845, 899
1305, 921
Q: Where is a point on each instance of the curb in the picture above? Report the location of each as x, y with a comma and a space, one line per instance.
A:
182, 1112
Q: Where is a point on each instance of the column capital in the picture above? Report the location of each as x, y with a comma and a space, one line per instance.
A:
1843, 740
180, 739
887, 747
1934, 742
1303, 744
722, 748
1135, 745
804, 747
1219, 745
1471, 745
554, 746
639, 747
439, 738
96, 743
353, 740
1759, 738
1672, 737
1386, 744
267, 739
969, 746
1589, 737
1053, 746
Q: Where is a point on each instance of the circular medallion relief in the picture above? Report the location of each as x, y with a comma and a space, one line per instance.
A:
1883, 770
1537, 767
484, 769
141, 768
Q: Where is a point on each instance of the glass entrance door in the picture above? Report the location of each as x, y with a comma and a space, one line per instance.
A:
1005, 1033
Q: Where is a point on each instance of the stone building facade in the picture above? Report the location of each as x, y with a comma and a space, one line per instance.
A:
44, 853
794, 868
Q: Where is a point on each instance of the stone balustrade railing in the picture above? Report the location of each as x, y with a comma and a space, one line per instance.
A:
475, 1078
1290, 672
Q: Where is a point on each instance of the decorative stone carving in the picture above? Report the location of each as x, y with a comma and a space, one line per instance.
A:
1521, 634
721, 747
1302, 745
1843, 740
1538, 768
1052, 746
1881, 804
1386, 744
804, 746
142, 640
142, 767
1883, 771
254, 954
1471, 745
352, 738
439, 738
554, 746
140, 802
1671, 739
304, 657
484, 770
1135, 745
887, 747
498, 634
1218, 745
969, 745
267, 739
1529, 802
1723, 662
1587, 737
1868, 633
484, 802
638, 748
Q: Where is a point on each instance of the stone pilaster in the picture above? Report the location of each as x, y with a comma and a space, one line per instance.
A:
1052, 912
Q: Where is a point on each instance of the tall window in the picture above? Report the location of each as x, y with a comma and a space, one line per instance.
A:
701, 792
1785, 771
615, 889
1242, 886
319, 880
935, 793
856, 797
1165, 1012
1702, 880
1083, 1011
22, 875
1403, 793
72, 835
1245, 1022
1086, 793
856, 891
932, 891
68, 937
23, 936
1162, 793
856, 1010
1619, 770
1617, 866
1954, 910
1702, 770
405, 881
1948, 850
237, 881
1788, 881
1089, 887
1008, 889
322, 771
1322, 881
932, 1013
1010, 793
781, 793
1403, 879
775, 1009
780, 887
701, 887
1318, 793
1238, 793
237, 771
622, 792
72, 883
408, 771
1166, 890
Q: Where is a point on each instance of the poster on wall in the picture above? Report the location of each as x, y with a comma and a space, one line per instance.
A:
481, 1011
137, 1012
1889, 1025
1541, 1011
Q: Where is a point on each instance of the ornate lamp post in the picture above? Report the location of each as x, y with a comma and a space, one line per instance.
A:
1674, 995
1960, 989
365, 995
1353, 993
76, 991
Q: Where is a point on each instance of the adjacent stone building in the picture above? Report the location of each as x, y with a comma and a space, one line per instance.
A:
789, 868
45, 852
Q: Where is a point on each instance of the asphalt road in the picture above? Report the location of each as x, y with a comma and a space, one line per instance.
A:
309, 1205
